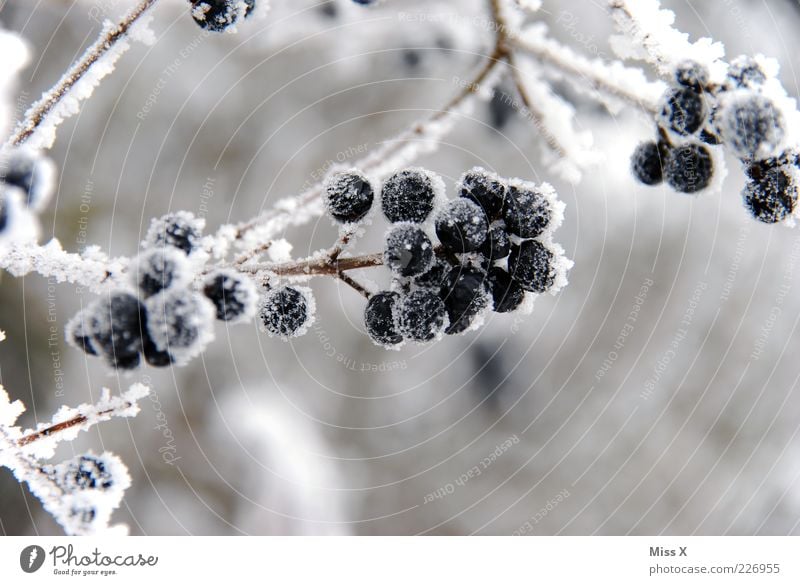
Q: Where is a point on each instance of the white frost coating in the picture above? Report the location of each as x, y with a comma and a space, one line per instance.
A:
91, 269
557, 118
21, 227
611, 82
80, 505
649, 35
561, 266
529, 5
280, 251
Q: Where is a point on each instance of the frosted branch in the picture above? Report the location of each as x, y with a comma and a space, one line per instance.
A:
38, 128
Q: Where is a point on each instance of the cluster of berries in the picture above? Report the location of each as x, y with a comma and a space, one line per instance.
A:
27, 182
740, 113
162, 318
492, 245
220, 15
91, 485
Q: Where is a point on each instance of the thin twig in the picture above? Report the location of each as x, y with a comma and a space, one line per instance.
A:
316, 266
39, 111
354, 284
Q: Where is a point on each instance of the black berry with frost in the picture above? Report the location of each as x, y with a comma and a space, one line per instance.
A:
79, 331
461, 226
648, 161
692, 74
30, 172
348, 196
160, 269
408, 250
751, 125
284, 312
507, 293
497, 245
465, 292
486, 189
408, 195
233, 295
116, 329
531, 264
744, 71
218, 15
771, 196
526, 211
87, 472
689, 168
422, 316
682, 110
181, 230
179, 322
380, 318
434, 276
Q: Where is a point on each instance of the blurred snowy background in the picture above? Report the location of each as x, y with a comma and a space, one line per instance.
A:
687, 424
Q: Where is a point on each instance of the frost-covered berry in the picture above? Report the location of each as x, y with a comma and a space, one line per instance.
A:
648, 161
31, 172
692, 74
497, 244
527, 211
422, 316
408, 195
159, 269
750, 124
532, 266
79, 331
286, 312
486, 189
507, 293
180, 229
86, 472
407, 250
434, 276
462, 226
772, 196
380, 318
154, 356
465, 293
218, 15
744, 71
348, 196
233, 294
682, 110
180, 322
365, 2
689, 168
117, 329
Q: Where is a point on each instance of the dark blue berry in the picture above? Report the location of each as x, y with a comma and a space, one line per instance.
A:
179, 322
160, 269
771, 197
526, 211
501, 108
408, 250
380, 318
154, 356
465, 293
284, 312
117, 329
683, 110
178, 230
30, 172
421, 316
497, 244
648, 161
433, 277
461, 226
87, 472
486, 189
408, 195
79, 331
218, 15
689, 168
744, 71
532, 266
507, 293
348, 196
751, 125
233, 295
692, 75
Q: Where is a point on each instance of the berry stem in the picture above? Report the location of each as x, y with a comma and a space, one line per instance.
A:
50, 99
354, 284
315, 266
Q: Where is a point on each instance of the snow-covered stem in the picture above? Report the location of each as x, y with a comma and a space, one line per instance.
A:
595, 74
110, 36
316, 265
